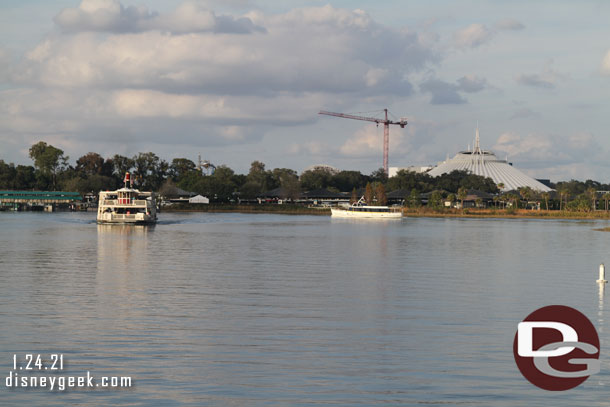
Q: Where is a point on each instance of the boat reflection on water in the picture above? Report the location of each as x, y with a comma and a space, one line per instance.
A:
122, 248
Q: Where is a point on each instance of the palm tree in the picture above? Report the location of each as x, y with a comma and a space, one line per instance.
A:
526, 194
606, 198
545, 196
451, 199
592, 194
563, 193
500, 186
461, 195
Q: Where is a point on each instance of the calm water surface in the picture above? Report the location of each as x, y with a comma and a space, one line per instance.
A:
273, 310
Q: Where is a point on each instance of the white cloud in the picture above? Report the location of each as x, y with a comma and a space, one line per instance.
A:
112, 16
315, 148
548, 79
546, 151
319, 49
472, 36
365, 142
132, 84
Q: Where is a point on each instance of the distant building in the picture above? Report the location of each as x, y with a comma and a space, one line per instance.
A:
486, 164
199, 199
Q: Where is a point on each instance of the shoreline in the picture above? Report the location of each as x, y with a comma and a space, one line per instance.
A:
507, 214
407, 212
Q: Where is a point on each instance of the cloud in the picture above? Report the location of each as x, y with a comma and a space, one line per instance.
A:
509, 24
416, 143
108, 79
476, 34
548, 79
546, 151
472, 83
535, 80
605, 67
472, 36
318, 49
316, 148
112, 16
443, 93
449, 93
365, 142
524, 113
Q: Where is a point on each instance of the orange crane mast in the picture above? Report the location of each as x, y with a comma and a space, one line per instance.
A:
386, 129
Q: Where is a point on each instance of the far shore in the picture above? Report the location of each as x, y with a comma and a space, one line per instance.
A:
408, 212
505, 213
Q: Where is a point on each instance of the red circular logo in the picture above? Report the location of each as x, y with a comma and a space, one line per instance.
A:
556, 348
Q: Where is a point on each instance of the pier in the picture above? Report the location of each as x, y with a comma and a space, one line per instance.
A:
47, 200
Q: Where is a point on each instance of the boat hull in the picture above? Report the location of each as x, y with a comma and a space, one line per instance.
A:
135, 219
343, 213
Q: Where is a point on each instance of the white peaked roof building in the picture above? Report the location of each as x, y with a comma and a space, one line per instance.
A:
486, 164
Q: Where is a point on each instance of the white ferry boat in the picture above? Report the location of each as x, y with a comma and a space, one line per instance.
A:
126, 205
361, 210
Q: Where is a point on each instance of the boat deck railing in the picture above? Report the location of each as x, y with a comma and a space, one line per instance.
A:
124, 202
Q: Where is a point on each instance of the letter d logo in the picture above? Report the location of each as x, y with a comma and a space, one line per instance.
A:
525, 335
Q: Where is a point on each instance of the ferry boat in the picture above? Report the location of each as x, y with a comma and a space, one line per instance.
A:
127, 205
361, 210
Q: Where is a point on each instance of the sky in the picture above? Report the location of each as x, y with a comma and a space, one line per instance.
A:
241, 80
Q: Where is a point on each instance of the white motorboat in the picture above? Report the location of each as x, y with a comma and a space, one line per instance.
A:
361, 210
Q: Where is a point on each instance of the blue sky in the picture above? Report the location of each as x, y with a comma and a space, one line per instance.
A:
240, 80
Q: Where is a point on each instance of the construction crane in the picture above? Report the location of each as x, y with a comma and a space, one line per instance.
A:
386, 129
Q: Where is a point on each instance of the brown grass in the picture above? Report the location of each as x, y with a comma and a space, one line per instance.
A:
503, 213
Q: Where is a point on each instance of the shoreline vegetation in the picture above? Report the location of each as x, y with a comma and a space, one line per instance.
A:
288, 209
283, 190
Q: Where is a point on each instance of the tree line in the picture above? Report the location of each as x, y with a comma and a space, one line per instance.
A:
51, 170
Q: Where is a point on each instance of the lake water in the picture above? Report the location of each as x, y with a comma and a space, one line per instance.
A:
275, 310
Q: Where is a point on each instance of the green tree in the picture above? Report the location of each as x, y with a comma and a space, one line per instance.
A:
592, 194
317, 178
7, 175
379, 175
48, 160
545, 196
121, 165
414, 199
348, 180
451, 198
606, 198
180, 167
150, 170
435, 201
461, 195
25, 177
259, 177
564, 193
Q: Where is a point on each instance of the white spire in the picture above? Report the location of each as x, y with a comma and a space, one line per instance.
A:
477, 147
